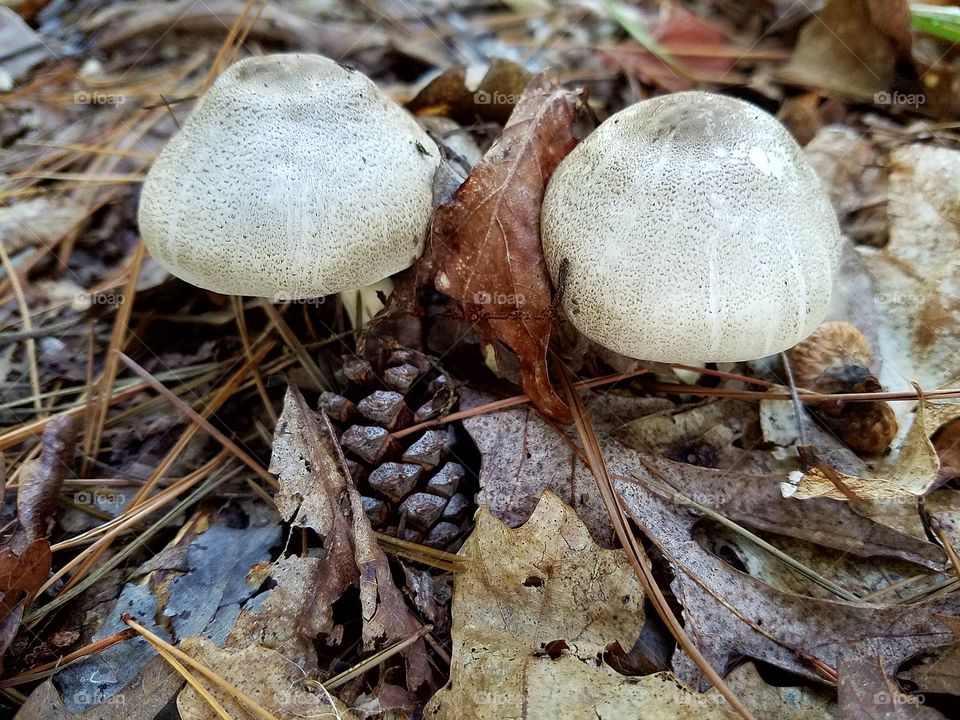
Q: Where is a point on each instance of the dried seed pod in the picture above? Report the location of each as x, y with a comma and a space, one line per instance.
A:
836, 359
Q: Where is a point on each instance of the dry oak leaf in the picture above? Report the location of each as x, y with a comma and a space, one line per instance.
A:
316, 492
271, 679
522, 455
485, 242
730, 614
533, 610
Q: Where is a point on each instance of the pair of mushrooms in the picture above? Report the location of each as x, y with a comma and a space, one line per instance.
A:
690, 225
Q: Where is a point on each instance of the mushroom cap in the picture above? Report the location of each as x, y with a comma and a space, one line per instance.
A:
293, 177
694, 230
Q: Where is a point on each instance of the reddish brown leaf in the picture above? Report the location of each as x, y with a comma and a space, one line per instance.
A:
21, 575
699, 45
486, 241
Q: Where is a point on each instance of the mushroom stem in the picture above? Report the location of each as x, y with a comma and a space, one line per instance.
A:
361, 305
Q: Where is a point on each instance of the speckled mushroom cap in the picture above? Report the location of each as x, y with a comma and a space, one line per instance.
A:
293, 177
694, 231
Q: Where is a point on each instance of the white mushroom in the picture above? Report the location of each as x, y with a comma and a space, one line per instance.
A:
693, 230
293, 177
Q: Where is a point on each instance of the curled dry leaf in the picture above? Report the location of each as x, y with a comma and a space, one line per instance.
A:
851, 47
485, 242
911, 474
533, 609
451, 95
39, 491
317, 493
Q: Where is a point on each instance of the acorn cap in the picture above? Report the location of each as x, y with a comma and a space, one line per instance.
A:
294, 177
694, 231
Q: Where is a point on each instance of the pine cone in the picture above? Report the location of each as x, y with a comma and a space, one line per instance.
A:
413, 487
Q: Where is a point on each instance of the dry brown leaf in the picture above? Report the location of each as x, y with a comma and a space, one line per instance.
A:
917, 274
867, 689
39, 493
22, 574
851, 47
311, 488
533, 610
317, 493
491, 99
485, 242
730, 614
523, 455
272, 680
941, 674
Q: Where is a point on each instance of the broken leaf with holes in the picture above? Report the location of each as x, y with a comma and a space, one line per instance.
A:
316, 492
534, 610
